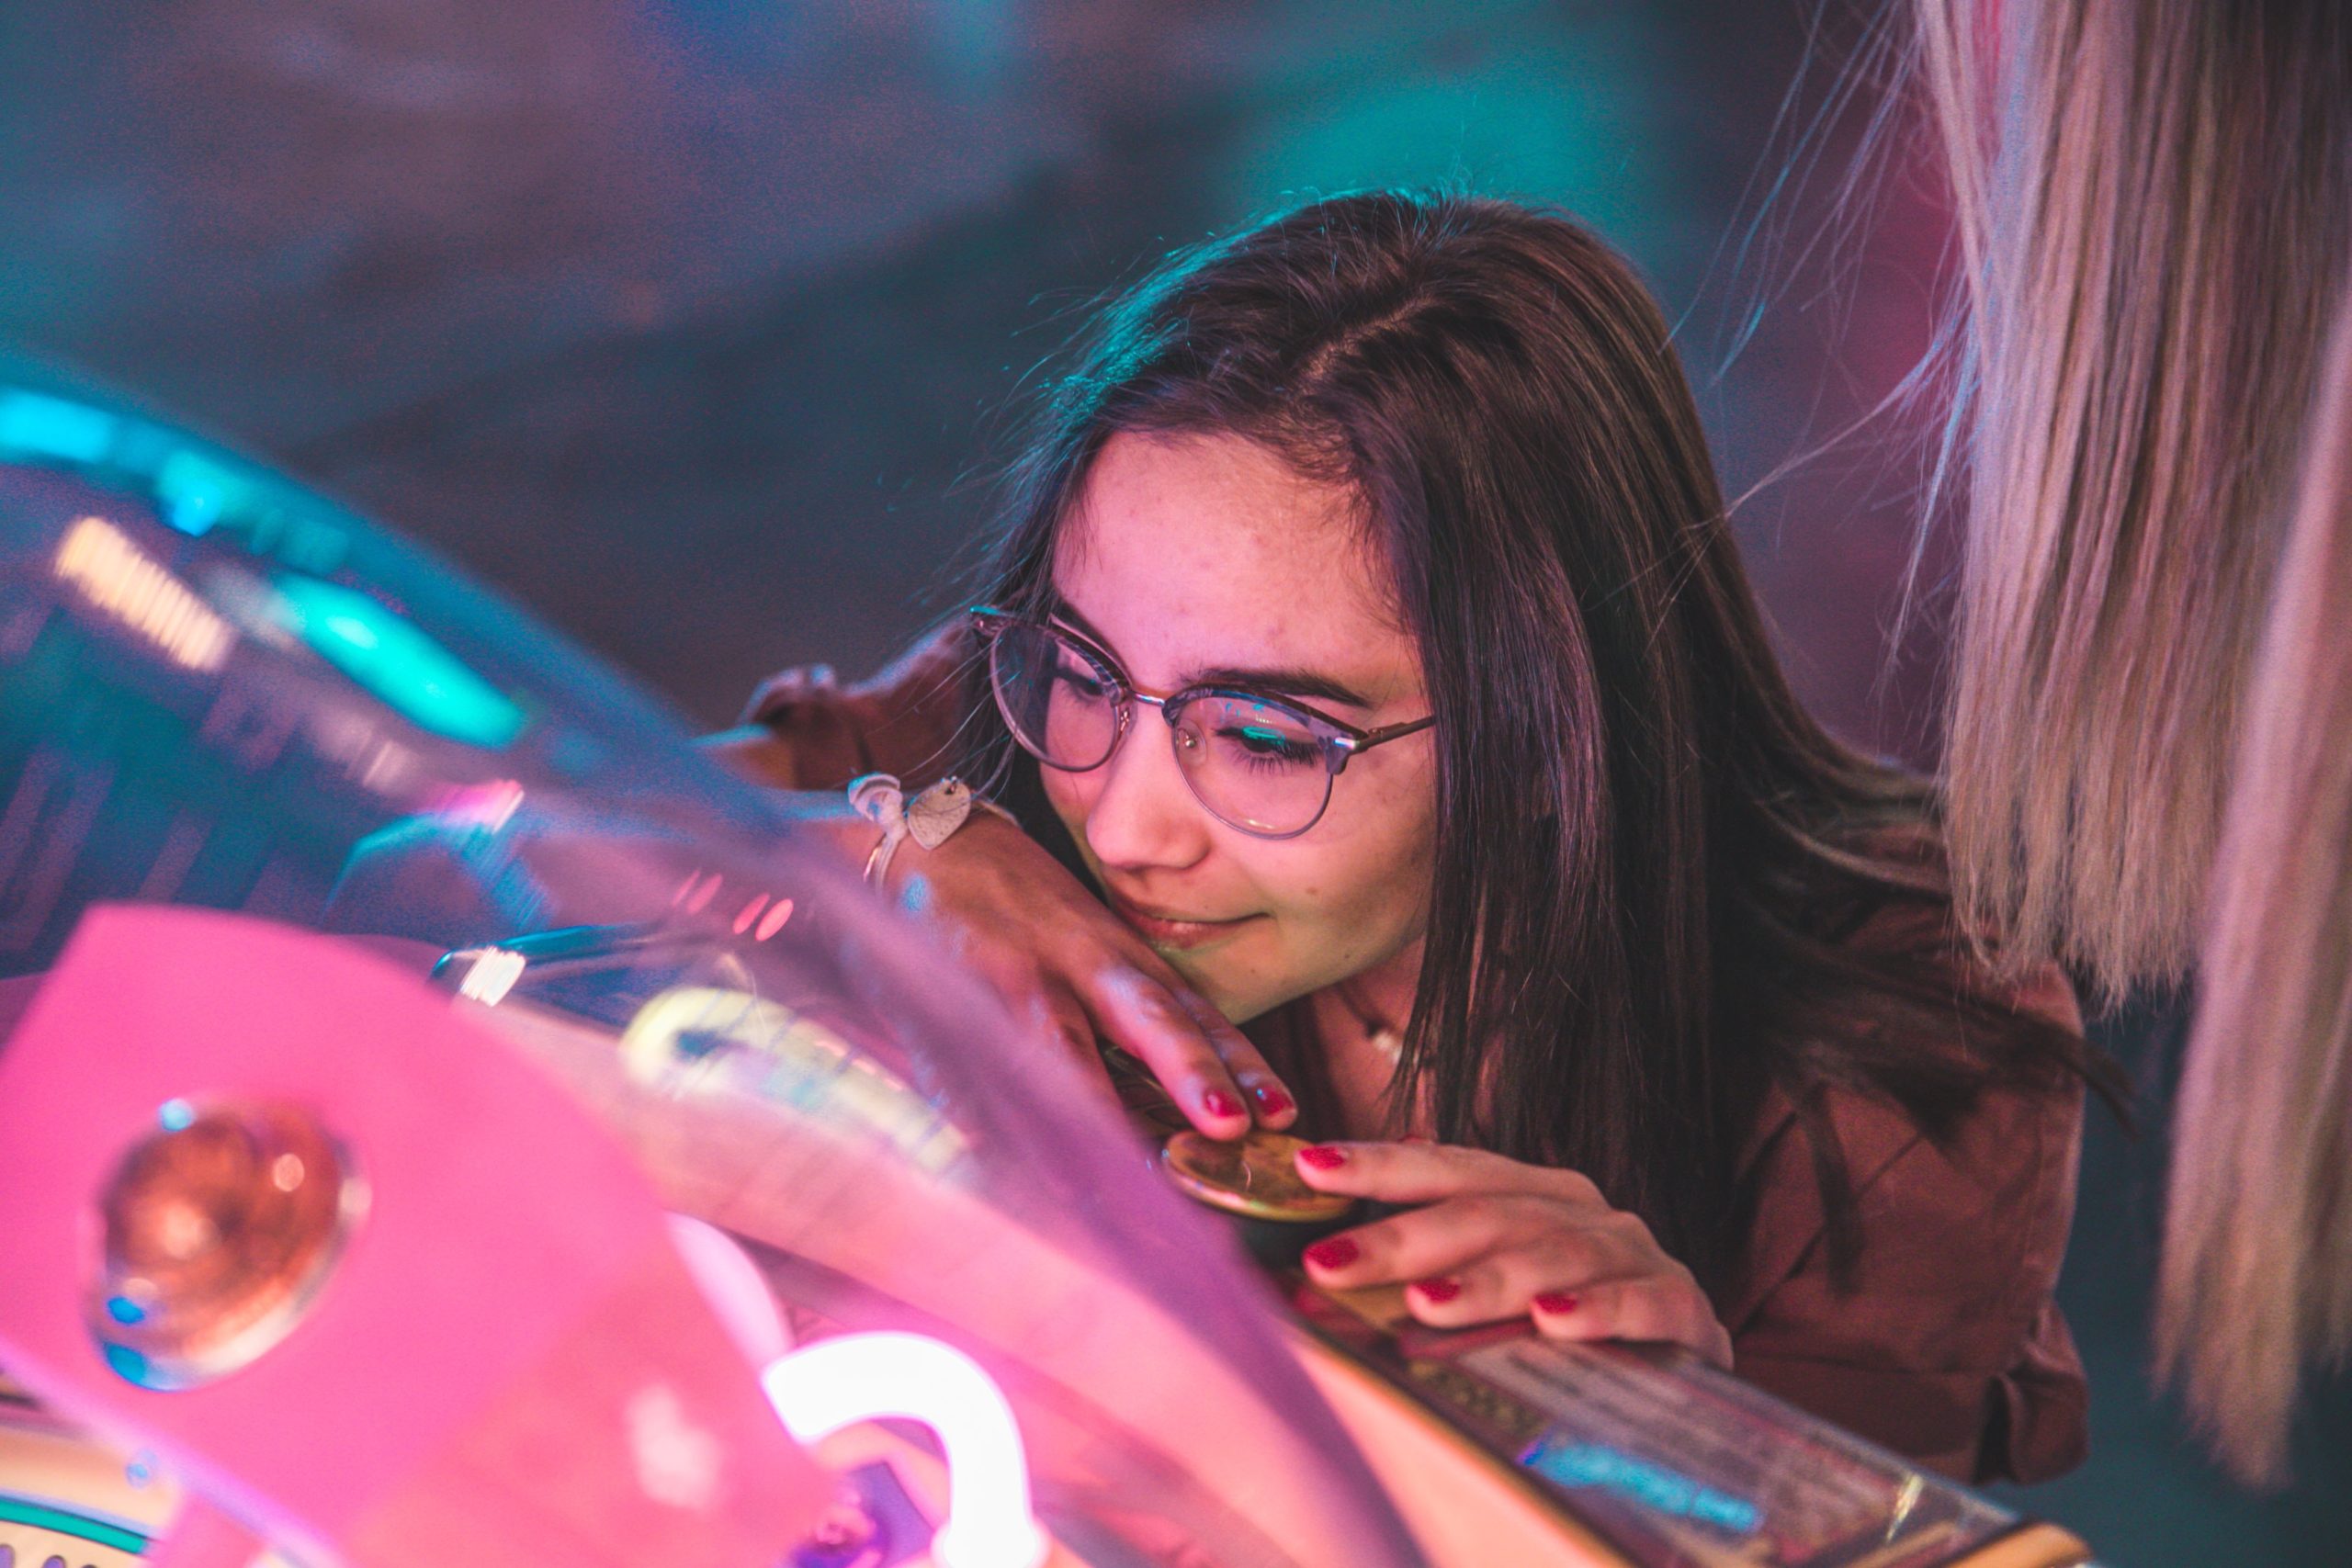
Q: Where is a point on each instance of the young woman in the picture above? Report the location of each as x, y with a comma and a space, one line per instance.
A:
1366, 640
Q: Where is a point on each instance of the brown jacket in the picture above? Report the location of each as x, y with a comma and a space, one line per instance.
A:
1945, 1344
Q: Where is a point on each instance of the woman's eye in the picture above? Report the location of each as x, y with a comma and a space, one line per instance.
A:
1265, 744
1082, 683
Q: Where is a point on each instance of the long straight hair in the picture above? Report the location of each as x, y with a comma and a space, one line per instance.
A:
2154, 203
2257, 1278
2151, 202
1651, 862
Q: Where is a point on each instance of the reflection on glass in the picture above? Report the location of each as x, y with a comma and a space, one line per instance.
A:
421, 680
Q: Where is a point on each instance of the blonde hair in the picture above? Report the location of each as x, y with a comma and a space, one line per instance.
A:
2151, 202
2155, 200
2258, 1266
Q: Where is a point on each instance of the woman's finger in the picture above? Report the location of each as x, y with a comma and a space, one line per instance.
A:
1664, 1308
1262, 1090
1029, 925
1144, 1019
1057, 1013
1424, 1173
1269, 1101
1442, 1239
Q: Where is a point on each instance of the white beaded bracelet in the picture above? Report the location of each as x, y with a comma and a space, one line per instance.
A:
931, 819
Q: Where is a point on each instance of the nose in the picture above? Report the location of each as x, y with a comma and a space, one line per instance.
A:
1143, 815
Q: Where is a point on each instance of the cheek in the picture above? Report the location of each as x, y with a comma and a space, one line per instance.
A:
1072, 797
1347, 905
1351, 901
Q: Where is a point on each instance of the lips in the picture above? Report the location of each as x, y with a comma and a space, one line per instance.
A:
1170, 927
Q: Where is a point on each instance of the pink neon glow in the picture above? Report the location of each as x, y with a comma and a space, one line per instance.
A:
734, 1286
487, 805
838, 1383
772, 922
750, 912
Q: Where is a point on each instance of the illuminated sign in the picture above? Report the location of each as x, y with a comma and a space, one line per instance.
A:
821, 1388
128, 584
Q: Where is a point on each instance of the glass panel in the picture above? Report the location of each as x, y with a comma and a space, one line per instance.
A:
219, 689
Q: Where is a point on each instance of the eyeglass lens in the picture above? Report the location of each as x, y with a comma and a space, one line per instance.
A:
1256, 764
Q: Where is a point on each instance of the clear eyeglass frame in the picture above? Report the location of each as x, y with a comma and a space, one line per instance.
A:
1337, 739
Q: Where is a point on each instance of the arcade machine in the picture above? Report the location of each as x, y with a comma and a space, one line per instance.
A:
443, 1117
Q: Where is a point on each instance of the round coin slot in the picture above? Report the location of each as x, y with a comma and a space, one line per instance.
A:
218, 1229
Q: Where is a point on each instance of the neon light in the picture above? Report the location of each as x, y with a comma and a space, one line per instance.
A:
1653, 1485
838, 1383
491, 975
51, 427
423, 681
119, 578
195, 492
15, 1510
738, 1292
489, 806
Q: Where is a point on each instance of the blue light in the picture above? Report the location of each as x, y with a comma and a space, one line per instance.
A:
393, 659
130, 1366
357, 633
194, 492
51, 427
122, 1309
1652, 1485
177, 1116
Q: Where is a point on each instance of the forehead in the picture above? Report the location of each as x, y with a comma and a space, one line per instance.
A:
1191, 552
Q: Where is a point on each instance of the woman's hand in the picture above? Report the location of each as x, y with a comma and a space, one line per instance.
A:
1495, 1238
1064, 962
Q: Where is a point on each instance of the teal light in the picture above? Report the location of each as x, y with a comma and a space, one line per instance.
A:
17, 1510
43, 426
1653, 1485
1519, 100
418, 678
194, 492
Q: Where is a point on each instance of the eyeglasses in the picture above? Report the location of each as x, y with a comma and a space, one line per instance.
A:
1260, 764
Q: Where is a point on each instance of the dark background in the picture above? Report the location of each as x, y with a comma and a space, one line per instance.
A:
694, 325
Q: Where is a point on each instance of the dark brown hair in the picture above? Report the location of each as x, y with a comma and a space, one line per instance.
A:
1652, 864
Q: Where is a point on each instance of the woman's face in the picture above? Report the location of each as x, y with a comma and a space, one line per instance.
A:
1188, 554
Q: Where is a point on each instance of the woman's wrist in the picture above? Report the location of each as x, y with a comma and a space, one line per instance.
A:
924, 820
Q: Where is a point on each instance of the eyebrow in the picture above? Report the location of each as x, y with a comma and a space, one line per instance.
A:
1277, 681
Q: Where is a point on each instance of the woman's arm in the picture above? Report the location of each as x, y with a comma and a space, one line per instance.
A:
1010, 912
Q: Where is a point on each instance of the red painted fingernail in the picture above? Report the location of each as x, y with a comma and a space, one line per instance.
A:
1216, 1103
1323, 1156
1334, 1252
1272, 1100
1438, 1290
1559, 1304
